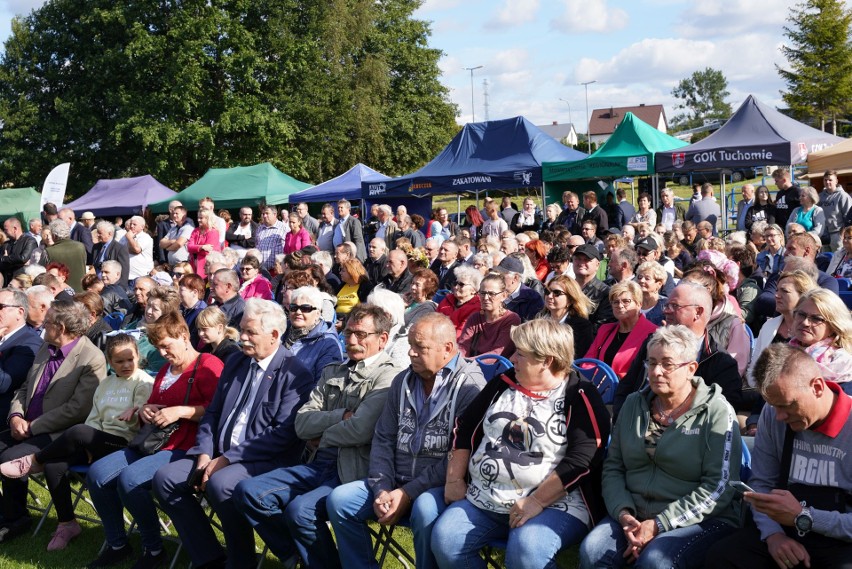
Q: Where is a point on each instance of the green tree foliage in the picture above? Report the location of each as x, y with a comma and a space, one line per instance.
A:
819, 80
702, 97
174, 87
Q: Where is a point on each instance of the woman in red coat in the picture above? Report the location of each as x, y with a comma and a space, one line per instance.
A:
460, 304
298, 236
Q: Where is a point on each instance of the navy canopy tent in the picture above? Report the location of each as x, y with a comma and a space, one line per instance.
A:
122, 196
756, 135
346, 186
493, 155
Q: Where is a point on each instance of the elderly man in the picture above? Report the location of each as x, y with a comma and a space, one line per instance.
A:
164, 225
408, 460
586, 262
509, 245
16, 251
56, 395
287, 505
521, 299
140, 248
70, 253
398, 278
444, 266
225, 289
669, 210
407, 230
788, 197
705, 209
387, 227
242, 232
79, 232
377, 261
349, 229
136, 315
689, 305
622, 263
800, 471
743, 206
596, 213
87, 220
35, 226
18, 344
220, 225
39, 299
271, 233
432, 247
308, 222
836, 204
572, 215
247, 430
108, 249
326, 229
113, 294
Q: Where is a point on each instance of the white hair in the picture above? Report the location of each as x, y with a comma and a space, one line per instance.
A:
321, 258
34, 270
106, 226
390, 302
111, 265
310, 294
270, 315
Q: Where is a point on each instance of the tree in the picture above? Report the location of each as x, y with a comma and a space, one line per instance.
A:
172, 88
819, 80
703, 98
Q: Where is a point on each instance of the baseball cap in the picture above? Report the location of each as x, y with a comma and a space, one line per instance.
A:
589, 251
647, 243
510, 265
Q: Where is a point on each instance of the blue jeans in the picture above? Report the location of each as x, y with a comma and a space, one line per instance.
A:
464, 529
679, 548
123, 480
289, 504
350, 506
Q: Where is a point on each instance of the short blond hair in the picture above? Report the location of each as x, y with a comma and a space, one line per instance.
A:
630, 287
543, 338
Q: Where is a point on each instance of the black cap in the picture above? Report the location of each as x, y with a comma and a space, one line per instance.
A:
589, 251
647, 243
614, 231
510, 265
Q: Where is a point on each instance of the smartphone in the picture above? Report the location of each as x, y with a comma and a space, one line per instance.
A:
740, 487
195, 476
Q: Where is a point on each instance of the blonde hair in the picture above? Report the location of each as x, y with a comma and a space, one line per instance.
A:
630, 287
836, 315
212, 317
578, 303
543, 338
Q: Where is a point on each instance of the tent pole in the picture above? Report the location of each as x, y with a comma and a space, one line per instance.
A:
724, 206
458, 207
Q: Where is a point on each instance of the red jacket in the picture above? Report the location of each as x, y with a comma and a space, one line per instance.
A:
458, 315
626, 354
194, 244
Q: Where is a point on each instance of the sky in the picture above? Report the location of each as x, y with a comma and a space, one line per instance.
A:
535, 53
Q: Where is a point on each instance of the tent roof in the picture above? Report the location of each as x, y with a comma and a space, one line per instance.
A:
756, 135
628, 152
838, 157
237, 187
345, 186
489, 155
121, 196
22, 202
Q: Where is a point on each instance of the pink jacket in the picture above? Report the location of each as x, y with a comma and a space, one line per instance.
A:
627, 353
295, 241
259, 287
194, 244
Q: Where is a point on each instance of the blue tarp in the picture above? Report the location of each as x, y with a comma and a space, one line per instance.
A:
493, 155
756, 135
345, 186
121, 196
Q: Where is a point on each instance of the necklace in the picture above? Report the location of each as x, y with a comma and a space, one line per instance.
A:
669, 418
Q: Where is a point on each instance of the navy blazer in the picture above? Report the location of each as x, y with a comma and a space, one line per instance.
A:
16, 358
83, 234
116, 252
271, 429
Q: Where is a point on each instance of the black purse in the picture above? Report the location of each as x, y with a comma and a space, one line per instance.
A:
152, 438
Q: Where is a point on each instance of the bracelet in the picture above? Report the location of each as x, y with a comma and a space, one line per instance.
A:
537, 501
660, 527
456, 480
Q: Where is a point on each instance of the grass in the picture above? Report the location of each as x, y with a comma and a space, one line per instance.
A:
28, 552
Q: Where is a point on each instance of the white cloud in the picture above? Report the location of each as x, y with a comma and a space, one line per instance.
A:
513, 13
727, 18
435, 5
589, 16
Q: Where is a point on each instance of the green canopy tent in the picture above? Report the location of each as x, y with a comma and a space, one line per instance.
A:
25, 203
233, 188
628, 152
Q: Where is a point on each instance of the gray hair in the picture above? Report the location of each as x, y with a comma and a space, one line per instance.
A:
112, 265
255, 252
228, 276
216, 258
736, 237
34, 270
309, 294
20, 298
759, 227
386, 208
811, 193
468, 274
390, 302
432, 241
72, 316
232, 258
677, 338
139, 219
105, 226
40, 294
323, 259
60, 230
803, 264
270, 315
783, 359
655, 269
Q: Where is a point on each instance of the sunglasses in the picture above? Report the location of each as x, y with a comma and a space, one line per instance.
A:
303, 308
555, 292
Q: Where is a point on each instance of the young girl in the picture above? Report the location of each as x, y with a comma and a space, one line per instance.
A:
110, 425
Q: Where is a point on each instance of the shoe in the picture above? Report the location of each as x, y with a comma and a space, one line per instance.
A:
63, 535
111, 557
12, 529
151, 561
20, 467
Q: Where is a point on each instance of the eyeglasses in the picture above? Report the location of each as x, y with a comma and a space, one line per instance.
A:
555, 292
622, 302
814, 318
303, 308
246, 269
489, 293
668, 367
178, 274
674, 307
2, 306
459, 284
360, 334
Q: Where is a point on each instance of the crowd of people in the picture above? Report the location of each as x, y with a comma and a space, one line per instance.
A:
310, 376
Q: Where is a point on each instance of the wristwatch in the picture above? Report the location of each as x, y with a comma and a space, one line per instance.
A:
804, 522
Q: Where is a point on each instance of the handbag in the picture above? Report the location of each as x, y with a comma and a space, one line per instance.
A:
152, 438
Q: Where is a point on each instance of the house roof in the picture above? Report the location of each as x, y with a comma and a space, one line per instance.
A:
556, 130
604, 121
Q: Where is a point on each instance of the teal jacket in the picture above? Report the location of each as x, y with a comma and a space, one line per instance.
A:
696, 457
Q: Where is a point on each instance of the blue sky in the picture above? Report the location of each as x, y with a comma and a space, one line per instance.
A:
536, 52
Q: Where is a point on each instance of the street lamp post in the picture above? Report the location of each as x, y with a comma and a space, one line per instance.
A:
588, 119
569, 109
472, 111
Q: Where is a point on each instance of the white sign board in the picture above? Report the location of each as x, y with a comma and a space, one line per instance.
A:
53, 190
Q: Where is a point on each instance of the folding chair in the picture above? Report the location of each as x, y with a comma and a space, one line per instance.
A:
76, 475
439, 296
599, 373
493, 365
386, 544
114, 320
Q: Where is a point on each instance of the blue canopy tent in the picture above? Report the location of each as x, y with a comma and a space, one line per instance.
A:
494, 155
345, 186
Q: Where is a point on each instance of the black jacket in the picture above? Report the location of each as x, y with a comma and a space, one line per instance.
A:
598, 292
449, 279
240, 240
376, 269
83, 234
401, 285
14, 254
116, 252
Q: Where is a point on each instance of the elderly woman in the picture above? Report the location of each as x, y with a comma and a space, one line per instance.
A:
671, 456
202, 241
482, 262
424, 285
651, 276
460, 304
298, 237
162, 300
123, 478
551, 213
215, 335
98, 327
489, 331
823, 328
254, 284
308, 336
510, 477
617, 343
528, 219
536, 252
809, 215
191, 291
645, 213
841, 262
565, 303
397, 346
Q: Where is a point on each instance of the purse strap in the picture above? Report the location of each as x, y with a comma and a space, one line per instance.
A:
191, 380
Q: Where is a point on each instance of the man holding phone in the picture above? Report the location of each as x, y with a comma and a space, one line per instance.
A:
801, 500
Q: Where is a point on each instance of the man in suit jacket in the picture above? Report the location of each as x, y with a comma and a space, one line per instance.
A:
56, 395
705, 209
248, 429
17, 250
445, 265
18, 345
79, 232
349, 229
111, 250
624, 210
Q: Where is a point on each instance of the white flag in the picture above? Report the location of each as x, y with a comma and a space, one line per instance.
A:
53, 190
